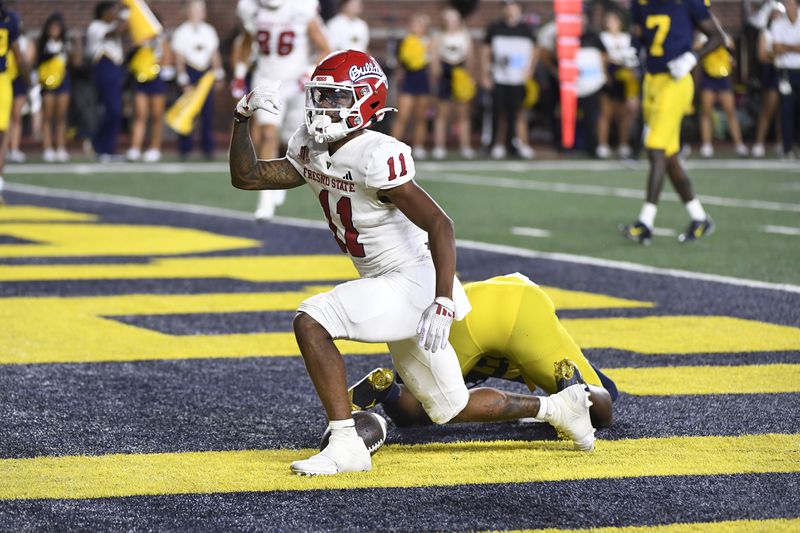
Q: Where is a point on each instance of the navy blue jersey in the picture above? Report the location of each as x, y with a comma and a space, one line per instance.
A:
9, 33
667, 28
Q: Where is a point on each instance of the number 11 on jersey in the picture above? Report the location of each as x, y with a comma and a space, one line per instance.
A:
345, 211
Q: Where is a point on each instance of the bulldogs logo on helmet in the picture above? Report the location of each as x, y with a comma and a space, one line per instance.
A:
349, 86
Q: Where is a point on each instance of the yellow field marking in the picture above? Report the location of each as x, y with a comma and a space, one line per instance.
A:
49, 330
395, 466
247, 268
728, 526
30, 213
262, 268
682, 334
745, 379
71, 240
566, 299
53, 330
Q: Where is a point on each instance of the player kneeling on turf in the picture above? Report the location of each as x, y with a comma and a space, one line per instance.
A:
403, 246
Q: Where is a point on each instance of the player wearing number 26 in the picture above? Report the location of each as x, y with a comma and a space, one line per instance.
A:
402, 244
284, 34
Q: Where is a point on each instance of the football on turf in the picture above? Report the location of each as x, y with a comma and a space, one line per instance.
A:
369, 426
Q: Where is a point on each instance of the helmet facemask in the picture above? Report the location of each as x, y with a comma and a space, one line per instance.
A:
333, 110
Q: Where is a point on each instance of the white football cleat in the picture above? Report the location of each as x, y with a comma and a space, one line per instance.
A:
758, 150
571, 416
706, 151
342, 454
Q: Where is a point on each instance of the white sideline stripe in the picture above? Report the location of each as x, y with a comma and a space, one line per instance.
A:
157, 204
530, 232
525, 166
781, 230
599, 190
105, 168
442, 176
428, 166
625, 265
473, 245
664, 232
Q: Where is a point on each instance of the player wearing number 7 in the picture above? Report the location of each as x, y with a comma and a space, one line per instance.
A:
666, 29
403, 246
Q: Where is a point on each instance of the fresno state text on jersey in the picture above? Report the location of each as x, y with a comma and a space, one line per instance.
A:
378, 237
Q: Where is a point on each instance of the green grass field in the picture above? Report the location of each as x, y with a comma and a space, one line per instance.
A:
579, 205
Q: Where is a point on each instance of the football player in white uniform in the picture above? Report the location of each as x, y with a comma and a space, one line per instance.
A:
283, 33
401, 243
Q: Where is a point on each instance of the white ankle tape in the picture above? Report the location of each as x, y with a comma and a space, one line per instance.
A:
342, 424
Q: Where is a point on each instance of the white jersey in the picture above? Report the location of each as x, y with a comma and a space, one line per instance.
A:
281, 36
348, 184
99, 44
617, 46
784, 31
454, 47
196, 43
345, 33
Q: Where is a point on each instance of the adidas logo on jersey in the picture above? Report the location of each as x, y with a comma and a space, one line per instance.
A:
348, 176
304, 154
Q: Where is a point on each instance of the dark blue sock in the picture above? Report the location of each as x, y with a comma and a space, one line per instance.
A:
392, 394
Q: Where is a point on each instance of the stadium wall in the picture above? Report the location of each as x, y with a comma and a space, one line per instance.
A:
385, 17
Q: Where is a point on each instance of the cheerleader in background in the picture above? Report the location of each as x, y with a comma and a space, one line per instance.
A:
453, 60
347, 30
412, 103
20, 91
619, 101
769, 85
9, 28
104, 46
195, 47
716, 86
151, 67
53, 54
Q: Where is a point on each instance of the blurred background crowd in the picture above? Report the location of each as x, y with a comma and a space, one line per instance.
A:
470, 78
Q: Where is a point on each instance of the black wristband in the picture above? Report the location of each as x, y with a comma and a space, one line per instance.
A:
240, 119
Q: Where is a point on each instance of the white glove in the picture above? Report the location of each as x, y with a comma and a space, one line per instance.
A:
434, 326
682, 65
264, 97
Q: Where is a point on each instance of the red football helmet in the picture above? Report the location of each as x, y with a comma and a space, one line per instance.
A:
349, 86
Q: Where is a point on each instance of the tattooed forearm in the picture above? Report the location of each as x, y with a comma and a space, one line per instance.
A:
250, 173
